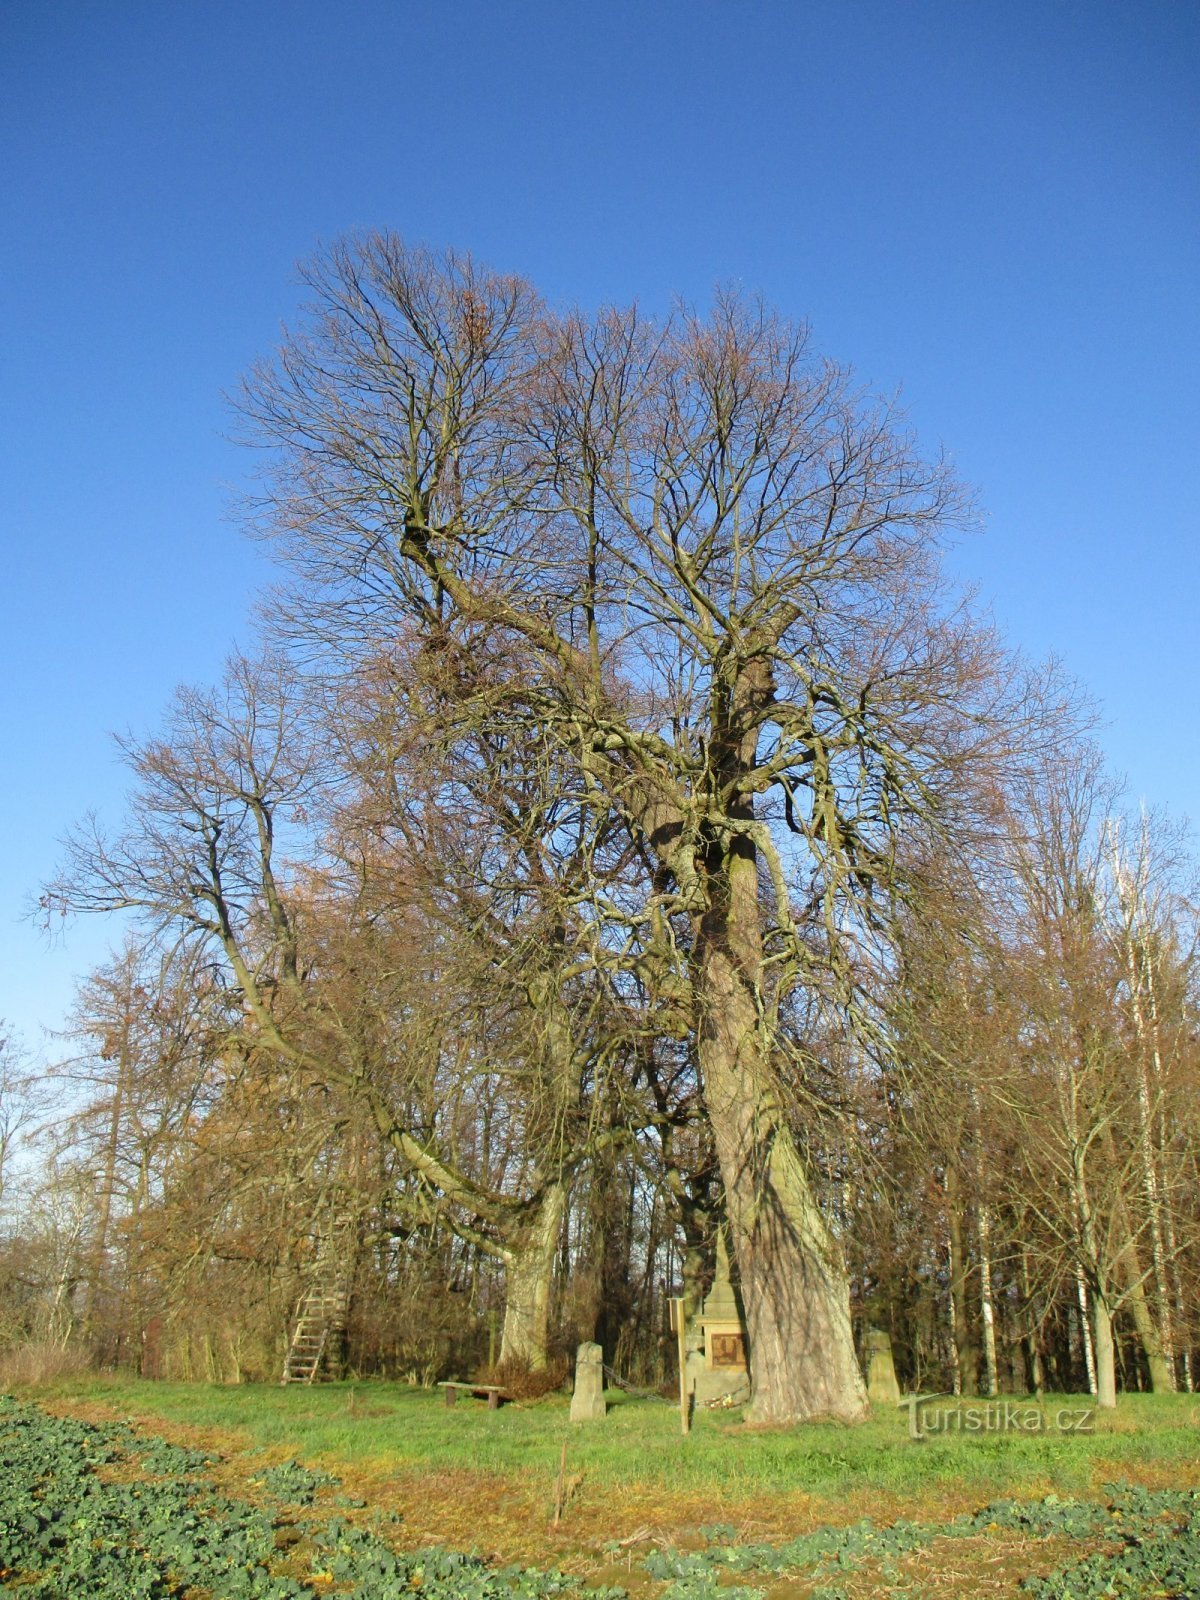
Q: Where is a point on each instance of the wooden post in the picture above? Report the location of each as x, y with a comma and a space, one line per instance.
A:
560, 1486
679, 1323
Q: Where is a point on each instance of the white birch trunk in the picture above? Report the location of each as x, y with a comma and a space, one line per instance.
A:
986, 1301
1085, 1327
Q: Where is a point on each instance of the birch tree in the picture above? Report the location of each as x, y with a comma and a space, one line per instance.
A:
1151, 922
1091, 1102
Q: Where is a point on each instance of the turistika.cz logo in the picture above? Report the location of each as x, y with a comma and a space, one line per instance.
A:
930, 1414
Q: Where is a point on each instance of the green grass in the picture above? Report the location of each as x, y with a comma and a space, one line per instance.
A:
639, 1443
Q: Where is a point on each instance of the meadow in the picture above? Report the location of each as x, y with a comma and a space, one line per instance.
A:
401, 1429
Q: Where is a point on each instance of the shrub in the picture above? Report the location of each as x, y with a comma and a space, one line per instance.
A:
38, 1362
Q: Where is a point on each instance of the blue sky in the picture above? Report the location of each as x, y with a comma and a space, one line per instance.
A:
992, 208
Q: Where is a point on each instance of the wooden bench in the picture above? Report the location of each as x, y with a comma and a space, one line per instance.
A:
493, 1393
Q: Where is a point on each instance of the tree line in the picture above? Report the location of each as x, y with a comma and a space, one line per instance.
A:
625, 833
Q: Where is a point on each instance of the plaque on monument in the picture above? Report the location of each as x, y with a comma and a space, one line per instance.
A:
727, 1350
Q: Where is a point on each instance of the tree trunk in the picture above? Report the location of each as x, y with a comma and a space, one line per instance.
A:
529, 1279
1162, 1374
1106, 1372
1181, 1320
986, 1302
1140, 968
1085, 1330
965, 1354
616, 1304
98, 1265
1034, 1374
794, 1286
1153, 1331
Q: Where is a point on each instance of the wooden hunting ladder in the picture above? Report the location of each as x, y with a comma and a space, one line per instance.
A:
324, 1305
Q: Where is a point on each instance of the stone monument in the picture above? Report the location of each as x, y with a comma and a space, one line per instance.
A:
882, 1387
725, 1375
587, 1402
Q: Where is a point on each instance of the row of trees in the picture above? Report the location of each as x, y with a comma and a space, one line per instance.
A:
626, 834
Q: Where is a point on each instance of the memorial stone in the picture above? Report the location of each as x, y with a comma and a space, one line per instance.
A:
587, 1402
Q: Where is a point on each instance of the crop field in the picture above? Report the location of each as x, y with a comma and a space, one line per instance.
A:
111, 1489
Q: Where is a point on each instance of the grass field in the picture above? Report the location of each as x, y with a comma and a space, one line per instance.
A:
488, 1482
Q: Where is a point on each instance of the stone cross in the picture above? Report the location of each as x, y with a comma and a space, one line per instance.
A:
587, 1403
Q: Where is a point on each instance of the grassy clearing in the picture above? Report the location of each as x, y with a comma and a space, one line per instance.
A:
402, 1429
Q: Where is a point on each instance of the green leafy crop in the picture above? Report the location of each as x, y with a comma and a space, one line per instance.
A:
66, 1532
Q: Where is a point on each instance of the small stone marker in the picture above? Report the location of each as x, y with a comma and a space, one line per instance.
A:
587, 1403
882, 1388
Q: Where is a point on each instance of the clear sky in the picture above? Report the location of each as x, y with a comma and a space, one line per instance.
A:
991, 207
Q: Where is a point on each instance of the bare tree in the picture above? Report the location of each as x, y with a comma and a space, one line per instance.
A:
314, 941
19, 1101
702, 564
1095, 1172
1152, 924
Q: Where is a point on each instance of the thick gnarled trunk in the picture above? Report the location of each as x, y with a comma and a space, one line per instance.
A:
529, 1284
794, 1288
